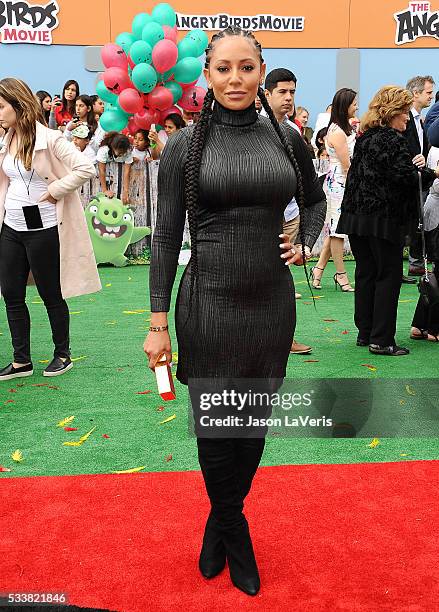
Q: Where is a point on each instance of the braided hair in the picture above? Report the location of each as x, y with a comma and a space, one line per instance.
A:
193, 162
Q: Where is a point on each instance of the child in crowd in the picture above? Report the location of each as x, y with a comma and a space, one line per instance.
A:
172, 124
84, 115
115, 157
141, 150
81, 140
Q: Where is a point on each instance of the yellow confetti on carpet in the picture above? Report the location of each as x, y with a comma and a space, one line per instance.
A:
374, 443
79, 358
108, 285
171, 418
81, 440
75, 312
410, 390
131, 471
43, 361
131, 312
66, 421
17, 456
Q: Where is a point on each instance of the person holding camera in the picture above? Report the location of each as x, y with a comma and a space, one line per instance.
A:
63, 109
378, 206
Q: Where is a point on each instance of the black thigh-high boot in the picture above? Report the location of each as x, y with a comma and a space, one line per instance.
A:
228, 467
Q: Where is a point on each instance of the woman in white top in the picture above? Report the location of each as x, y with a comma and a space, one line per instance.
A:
39, 173
340, 142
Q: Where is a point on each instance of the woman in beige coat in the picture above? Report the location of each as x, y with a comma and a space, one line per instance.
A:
43, 229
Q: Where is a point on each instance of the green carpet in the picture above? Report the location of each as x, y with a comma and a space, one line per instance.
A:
103, 388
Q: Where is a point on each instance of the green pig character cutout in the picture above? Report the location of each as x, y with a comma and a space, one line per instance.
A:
111, 228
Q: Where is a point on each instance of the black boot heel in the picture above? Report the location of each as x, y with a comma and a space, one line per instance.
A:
241, 559
213, 553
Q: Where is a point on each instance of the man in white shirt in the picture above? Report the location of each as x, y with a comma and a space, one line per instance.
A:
280, 88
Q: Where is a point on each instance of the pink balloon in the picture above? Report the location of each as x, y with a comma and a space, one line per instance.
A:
160, 98
133, 127
116, 80
130, 100
113, 56
192, 99
170, 33
169, 111
188, 85
146, 117
164, 55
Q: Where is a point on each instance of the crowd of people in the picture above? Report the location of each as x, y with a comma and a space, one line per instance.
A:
248, 168
121, 163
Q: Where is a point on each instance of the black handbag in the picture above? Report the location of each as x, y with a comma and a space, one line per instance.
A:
428, 285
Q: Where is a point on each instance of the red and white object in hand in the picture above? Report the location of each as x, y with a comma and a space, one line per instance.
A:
165, 383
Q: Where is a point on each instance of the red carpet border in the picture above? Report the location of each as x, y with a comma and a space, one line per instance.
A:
327, 538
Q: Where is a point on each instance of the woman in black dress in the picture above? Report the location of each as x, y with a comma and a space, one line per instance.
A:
378, 206
235, 173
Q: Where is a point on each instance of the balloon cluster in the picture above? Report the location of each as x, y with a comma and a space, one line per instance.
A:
148, 72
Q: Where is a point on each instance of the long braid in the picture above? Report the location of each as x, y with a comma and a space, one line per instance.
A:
300, 198
192, 175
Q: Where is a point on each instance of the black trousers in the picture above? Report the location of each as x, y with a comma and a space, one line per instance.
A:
378, 276
38, 252
427, 317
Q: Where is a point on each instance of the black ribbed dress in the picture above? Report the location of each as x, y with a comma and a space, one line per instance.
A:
243, 311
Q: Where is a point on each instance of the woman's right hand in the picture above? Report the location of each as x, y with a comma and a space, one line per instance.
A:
155, 344
109, 193
56, 102
419, 161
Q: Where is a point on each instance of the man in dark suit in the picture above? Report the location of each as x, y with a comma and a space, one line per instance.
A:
422, 89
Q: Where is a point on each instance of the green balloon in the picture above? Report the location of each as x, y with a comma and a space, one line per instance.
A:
141, 52
139, 22
125, 40
113, 120
187, 48
152, 33
175, 89
187, 70
201, 40
104, 93
164, 14
144, 77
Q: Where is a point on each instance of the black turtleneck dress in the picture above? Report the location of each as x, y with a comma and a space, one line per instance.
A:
243, 311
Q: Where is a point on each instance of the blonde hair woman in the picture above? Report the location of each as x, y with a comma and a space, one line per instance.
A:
378, 206
40, 172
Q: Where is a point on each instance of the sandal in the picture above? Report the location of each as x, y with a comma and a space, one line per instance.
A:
432, 338
418, 334
316, 281
338, 284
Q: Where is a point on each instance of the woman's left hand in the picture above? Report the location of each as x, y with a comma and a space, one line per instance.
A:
48, 198
293, 252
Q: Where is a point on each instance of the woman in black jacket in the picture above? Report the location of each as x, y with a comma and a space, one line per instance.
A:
378, 205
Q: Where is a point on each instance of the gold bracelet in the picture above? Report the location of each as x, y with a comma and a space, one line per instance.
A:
159, 328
